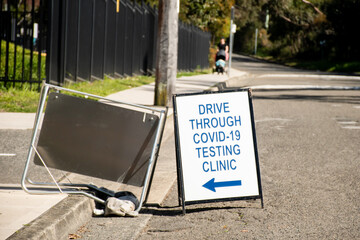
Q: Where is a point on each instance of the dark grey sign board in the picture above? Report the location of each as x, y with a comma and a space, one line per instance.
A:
96, 139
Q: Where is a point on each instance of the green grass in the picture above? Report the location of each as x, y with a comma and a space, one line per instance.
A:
18, 100
18, 75
26, 100
196, 72
346, 67
109, 86
321, 65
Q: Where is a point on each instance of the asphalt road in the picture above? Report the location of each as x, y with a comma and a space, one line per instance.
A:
14, 147
308, 143
264, 73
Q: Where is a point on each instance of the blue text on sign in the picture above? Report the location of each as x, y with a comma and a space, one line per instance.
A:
214, 108
215, 122
221, 150
219, 165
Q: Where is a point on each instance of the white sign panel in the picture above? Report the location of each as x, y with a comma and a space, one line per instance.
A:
216, 146
233, 28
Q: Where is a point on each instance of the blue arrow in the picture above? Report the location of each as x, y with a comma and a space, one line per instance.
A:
211, 185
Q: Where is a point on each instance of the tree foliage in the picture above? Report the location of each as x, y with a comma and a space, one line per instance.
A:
343, 39
297, 28
248, 17
209, 15
300, 28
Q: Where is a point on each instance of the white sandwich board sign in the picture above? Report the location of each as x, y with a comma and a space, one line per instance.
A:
216, 147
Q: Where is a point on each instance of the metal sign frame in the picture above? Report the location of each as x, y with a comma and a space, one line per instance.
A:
73, 188
181, 189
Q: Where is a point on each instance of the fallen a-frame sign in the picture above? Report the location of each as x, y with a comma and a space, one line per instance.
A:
94, 136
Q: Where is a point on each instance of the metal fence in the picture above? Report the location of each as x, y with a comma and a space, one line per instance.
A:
193, 47
88, 39
23, 41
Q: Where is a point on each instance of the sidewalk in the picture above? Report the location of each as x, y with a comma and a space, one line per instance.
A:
18, 209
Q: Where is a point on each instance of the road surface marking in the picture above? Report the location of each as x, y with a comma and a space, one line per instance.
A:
351, 127
7, 154
301, 87
279, 127
347, 124
273, 119
309, 76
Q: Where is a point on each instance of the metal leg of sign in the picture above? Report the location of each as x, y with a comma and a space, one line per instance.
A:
183, 207
180, 183
180, 186
157, 154
181, 193
255, 146
43, 94
177, 151
153, 158
182, 196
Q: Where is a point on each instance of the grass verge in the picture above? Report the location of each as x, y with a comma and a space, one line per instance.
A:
352, 67
18, 100
345, 67
21, 61
25, 99
196, 72
108, 86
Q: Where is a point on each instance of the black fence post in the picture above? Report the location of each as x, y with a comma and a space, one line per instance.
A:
120, 36
98, 40
110, 38
40, 38
52, 43
129, 40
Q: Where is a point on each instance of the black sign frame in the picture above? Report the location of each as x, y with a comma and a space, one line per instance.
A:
180, 179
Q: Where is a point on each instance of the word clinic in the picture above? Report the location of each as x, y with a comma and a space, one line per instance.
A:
208, 123
219, 165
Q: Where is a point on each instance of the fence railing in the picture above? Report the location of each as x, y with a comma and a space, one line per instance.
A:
88, 39
193, 47
23, 41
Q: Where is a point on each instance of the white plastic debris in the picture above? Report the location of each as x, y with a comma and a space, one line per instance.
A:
120, 207
98, 212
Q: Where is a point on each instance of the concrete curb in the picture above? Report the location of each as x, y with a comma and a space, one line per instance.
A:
221, 86
65, 217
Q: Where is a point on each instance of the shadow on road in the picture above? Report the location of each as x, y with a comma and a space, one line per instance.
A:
320, 98
176, 211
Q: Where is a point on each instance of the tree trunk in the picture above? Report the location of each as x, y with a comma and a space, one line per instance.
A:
166, 48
